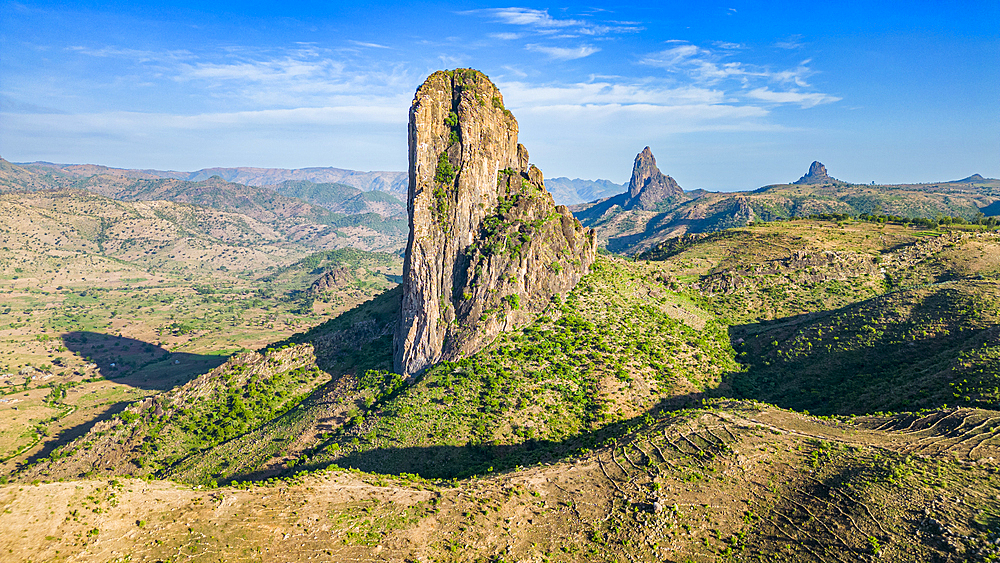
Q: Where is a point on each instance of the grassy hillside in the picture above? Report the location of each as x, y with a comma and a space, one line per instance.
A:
342, 198
830, 317
912, 349
105, 302
617, 346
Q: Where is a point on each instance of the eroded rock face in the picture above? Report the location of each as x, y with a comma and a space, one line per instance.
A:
487, 246
816, 175
649, 187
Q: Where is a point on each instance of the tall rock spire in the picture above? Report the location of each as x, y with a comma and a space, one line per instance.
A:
487, 245
649, 187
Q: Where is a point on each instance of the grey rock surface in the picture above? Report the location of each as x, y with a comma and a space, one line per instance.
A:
487, 245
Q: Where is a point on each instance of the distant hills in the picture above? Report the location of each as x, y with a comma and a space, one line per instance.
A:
654, 208
565, 191
571, 192
322, 216
365, 181
628, 218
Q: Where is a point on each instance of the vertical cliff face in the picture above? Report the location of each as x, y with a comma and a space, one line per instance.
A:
487, 245
648, 186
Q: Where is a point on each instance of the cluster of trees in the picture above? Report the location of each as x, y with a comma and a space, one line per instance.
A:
980, 219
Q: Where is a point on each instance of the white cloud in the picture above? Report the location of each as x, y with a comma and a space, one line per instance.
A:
700, 64
515, 71
804, 99
704, 66
521, 95
576, 112
505, 36
531, 17
539, 21
793, 42
359, 137
563, 53
672, 57
364, 44
260, 71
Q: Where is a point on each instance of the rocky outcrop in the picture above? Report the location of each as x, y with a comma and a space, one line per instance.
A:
649, 187
332, 280
817, 175
487, 245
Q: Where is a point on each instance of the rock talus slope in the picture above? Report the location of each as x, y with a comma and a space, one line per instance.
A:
487, 245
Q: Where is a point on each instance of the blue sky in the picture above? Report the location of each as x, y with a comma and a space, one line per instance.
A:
730, 95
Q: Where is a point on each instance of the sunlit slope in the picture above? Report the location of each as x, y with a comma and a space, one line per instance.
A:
733, 481
617, 346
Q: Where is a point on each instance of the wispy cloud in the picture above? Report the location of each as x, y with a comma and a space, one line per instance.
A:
364, 44
563, 53
793, 42
704, 66
531, 17
540, 22
804, 99
135, 55
9, 104
505, 36
515, 71
607, 92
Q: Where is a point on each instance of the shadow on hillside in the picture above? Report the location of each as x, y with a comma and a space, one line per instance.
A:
898, 352
456, 462
136, 363
72, 433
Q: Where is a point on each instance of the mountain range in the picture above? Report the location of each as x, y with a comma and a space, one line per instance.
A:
365, 181
654, 208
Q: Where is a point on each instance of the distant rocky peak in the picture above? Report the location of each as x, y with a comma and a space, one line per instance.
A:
817, 175
649, 187
488, 248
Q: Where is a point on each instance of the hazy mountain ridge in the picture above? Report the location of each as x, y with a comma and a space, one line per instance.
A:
365, 181
571, 192
565, 191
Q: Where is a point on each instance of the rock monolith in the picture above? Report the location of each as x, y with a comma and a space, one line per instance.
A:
817, 175
649, 187
488, 247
